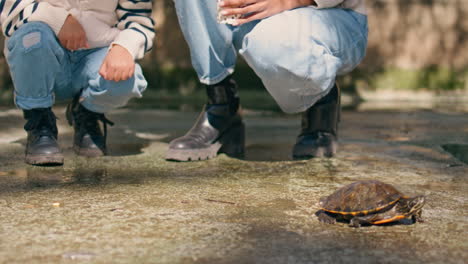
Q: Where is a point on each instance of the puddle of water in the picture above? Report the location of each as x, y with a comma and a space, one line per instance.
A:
459, 151
32, 178
126, 149
45, 177
117, 146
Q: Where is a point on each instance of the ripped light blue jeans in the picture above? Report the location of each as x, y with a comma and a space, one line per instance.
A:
43, 70
297, 54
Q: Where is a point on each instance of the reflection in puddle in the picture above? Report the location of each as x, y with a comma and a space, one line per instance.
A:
43, 177
90, 176
37, 177
459, 151
50, 177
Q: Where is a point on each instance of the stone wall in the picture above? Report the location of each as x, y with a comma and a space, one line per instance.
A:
416, 34
410, 34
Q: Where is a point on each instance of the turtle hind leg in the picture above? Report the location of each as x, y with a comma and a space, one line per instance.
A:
324, 217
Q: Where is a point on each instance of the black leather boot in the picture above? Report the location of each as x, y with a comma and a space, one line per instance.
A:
218, 129
88, 140
42, 147
319, 127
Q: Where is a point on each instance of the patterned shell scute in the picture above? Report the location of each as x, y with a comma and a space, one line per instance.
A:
361, 196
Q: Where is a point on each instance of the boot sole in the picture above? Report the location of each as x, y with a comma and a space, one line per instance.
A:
231, 143
320, 152
193, 154
50, 159
88, 152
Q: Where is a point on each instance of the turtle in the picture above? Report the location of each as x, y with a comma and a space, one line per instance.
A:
369, 202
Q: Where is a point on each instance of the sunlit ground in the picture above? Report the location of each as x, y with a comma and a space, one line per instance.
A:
133, 206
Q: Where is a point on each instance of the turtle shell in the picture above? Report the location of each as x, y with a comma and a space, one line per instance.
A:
361, 198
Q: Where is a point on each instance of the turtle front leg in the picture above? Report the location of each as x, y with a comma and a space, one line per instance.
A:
324, 217
417, 217
360, 220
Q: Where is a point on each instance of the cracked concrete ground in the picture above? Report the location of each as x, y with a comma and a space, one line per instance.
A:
135, 207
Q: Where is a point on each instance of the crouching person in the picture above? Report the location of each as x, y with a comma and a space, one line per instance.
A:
296, 47
84, 52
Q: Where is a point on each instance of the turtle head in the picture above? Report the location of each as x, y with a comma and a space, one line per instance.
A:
410, 206
322, 201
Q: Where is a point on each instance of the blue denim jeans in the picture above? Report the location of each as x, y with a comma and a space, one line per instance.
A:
297, 53
43, 70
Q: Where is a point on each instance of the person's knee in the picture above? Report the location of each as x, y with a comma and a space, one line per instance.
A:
258, 50
265, 50
33, 36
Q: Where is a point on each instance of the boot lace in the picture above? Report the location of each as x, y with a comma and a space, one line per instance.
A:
42, 122
88, 121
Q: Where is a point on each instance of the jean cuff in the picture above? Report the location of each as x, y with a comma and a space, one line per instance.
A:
97, 108
218, 78
28, 103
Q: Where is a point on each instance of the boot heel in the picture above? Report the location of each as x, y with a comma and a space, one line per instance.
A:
233, 141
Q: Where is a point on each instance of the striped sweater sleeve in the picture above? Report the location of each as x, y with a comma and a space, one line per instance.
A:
137, 26
14, 13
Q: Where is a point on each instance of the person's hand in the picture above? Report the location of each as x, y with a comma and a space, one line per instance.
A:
72, 35
258, 9
118, 65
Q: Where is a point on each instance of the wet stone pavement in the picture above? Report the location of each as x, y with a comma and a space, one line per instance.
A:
135, 207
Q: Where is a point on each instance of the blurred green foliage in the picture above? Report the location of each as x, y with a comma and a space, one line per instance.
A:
432, 78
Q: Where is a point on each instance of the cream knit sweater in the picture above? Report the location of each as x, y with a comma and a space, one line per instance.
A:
106, 22
356, 5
